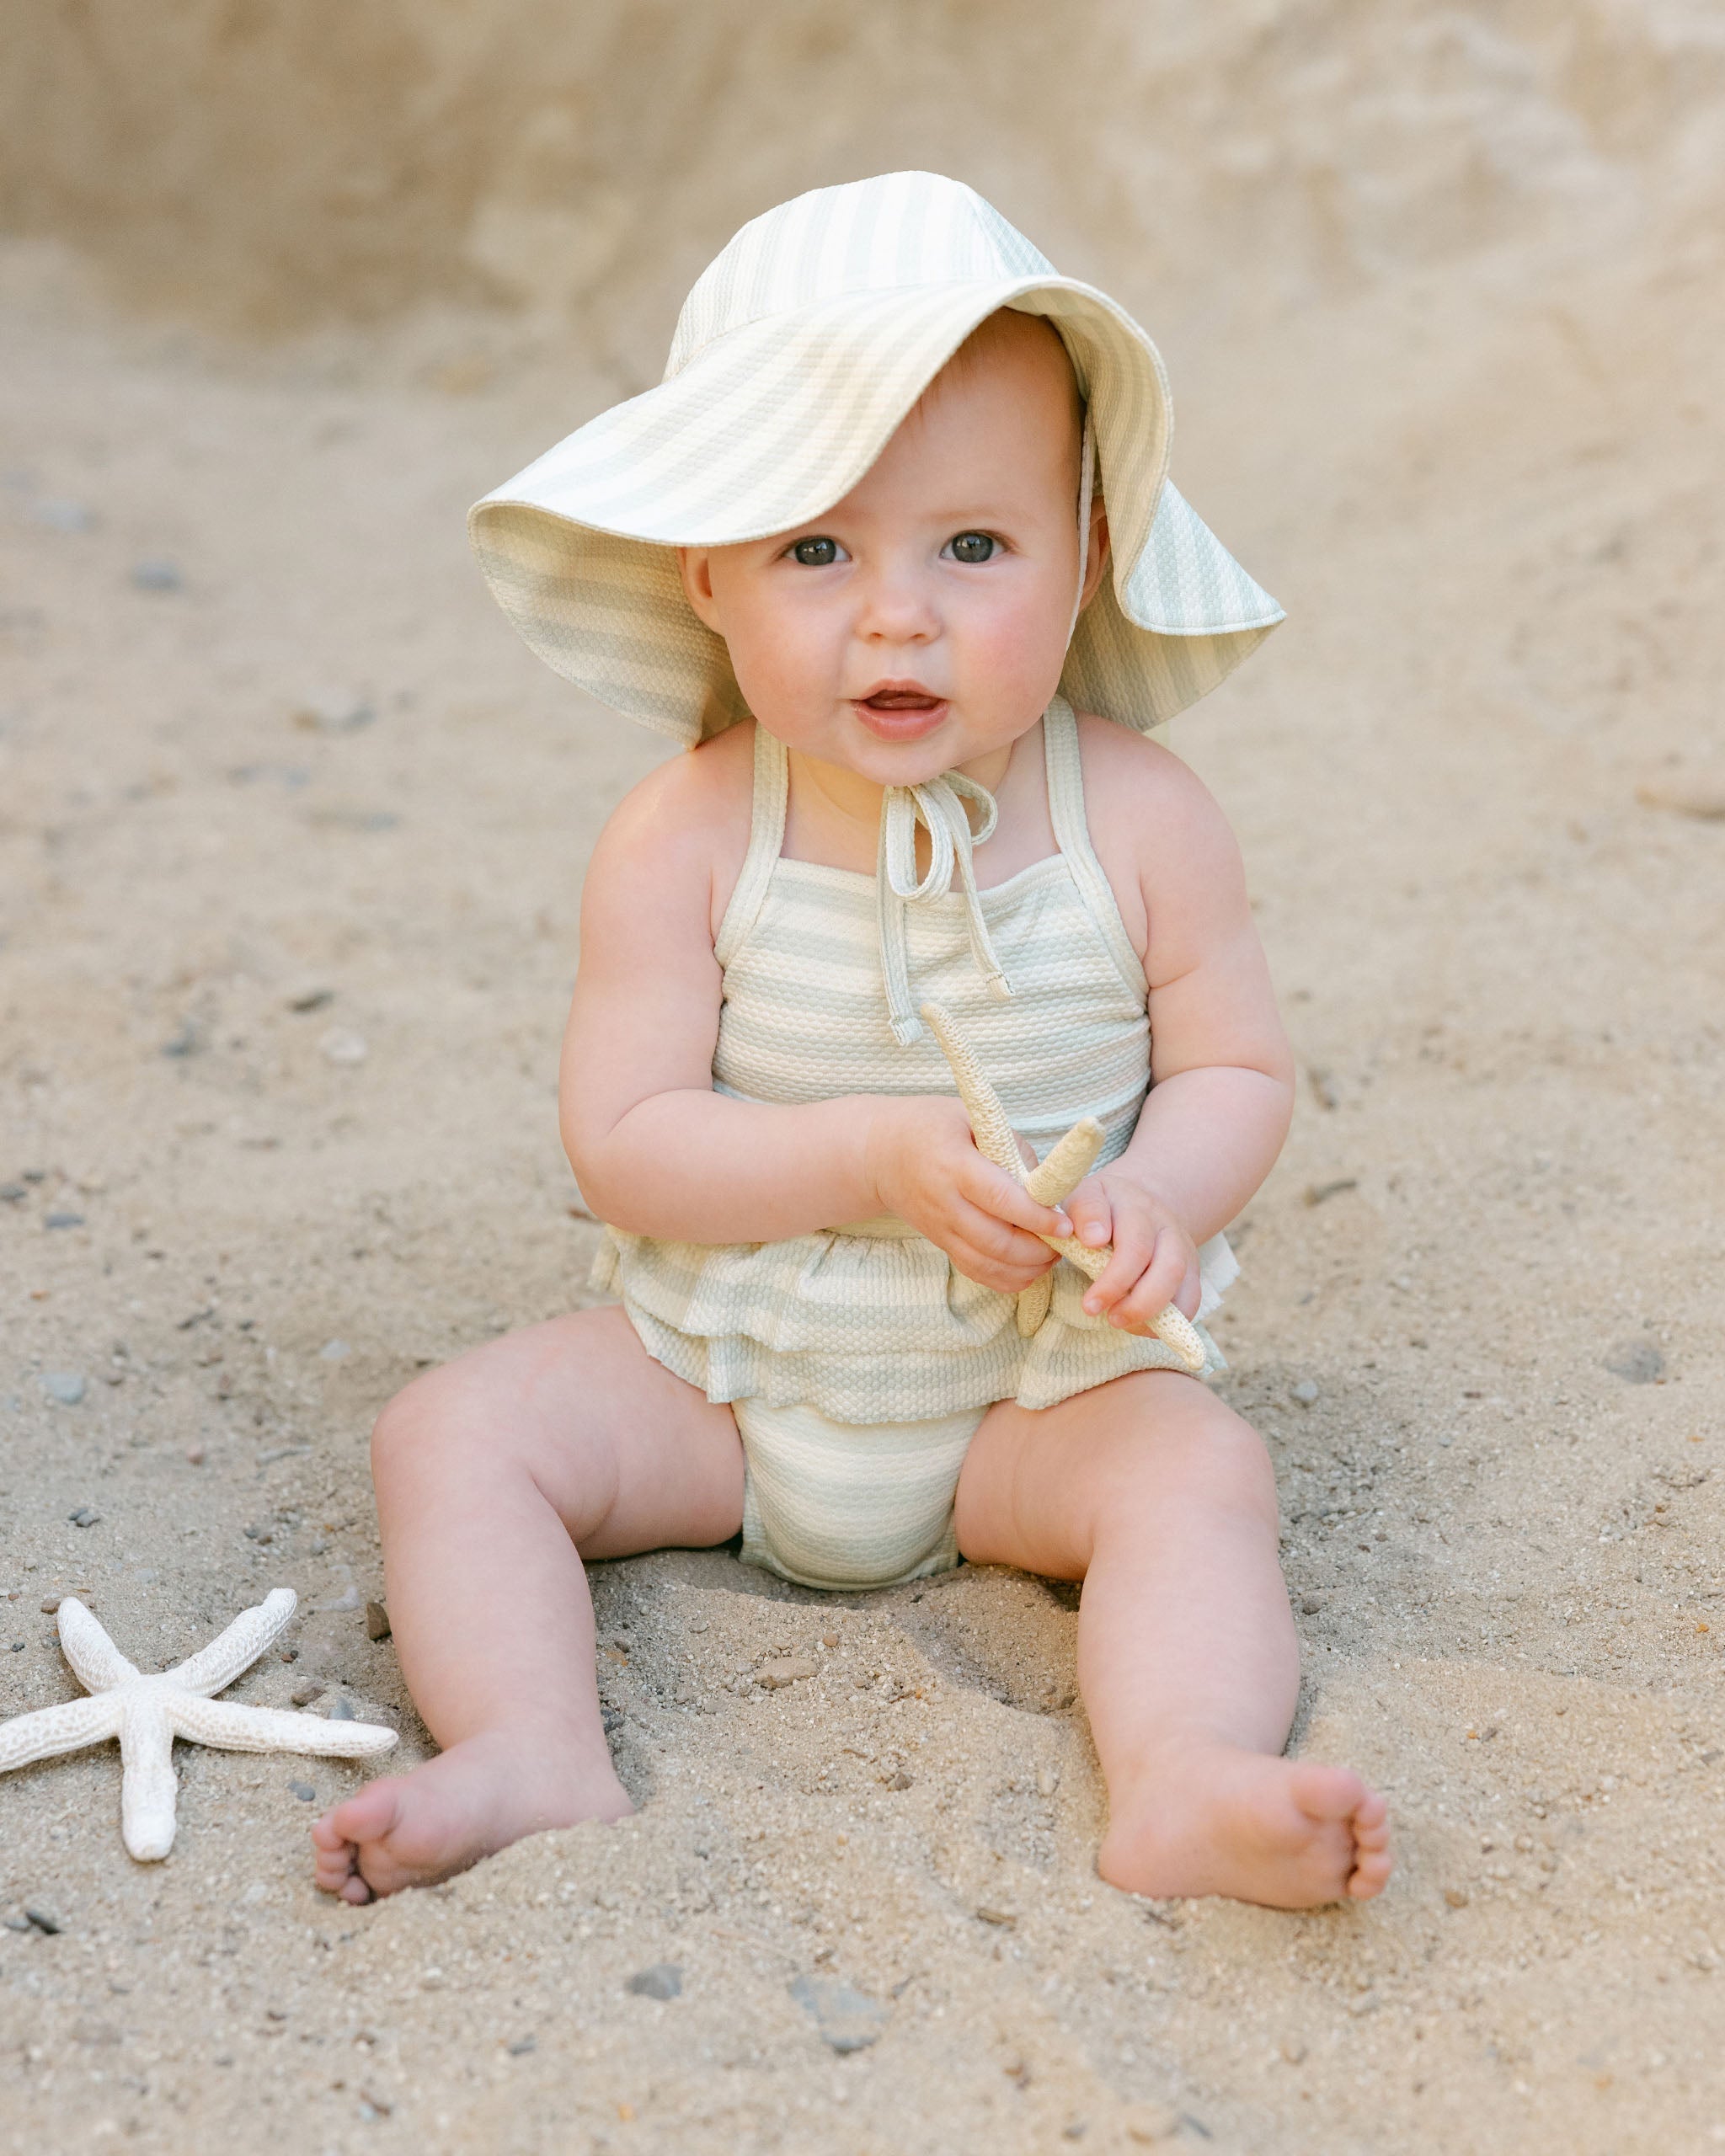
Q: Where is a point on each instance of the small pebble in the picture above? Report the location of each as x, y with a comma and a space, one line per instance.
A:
303, 1695
13, 1192
257, 1533
85, 1516
155, 572
311, 999
785, 1669
1310, 1606
183, 1044
1304, 1392
1636, 1362
333, 1351
18, 1647
333, 711
58, 514
899, 1780
991, 1915
522, 2046
342, 1711
848, 2020
1703, 801
1456, 1897
376, 1621
664, 1980
1293, 2050
1148, 2123
43, 1920
341, 1045
194, 1456
303, 1790
64, 1220
66, 1386
1048, 1780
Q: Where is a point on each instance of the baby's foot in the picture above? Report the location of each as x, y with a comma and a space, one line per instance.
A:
412, 1830
1284, 1832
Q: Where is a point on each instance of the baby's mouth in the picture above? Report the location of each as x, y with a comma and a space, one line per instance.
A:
901, 711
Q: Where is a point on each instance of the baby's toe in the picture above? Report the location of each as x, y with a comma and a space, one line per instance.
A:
1369, 1878
1328, 1794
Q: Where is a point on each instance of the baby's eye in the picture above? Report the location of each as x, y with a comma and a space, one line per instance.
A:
971, 547
816, 554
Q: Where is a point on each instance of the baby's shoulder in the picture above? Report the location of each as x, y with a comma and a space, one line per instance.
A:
687, 819
1140, 799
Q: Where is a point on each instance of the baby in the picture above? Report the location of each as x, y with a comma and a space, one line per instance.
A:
900, 504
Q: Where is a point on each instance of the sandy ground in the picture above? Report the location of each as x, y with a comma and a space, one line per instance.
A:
293, 834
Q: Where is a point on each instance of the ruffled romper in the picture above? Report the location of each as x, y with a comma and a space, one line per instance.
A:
858, 1362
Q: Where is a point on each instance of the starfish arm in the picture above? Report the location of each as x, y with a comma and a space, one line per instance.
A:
1033, 1306
235, 1728
1093, 1262
1066, 1164
239, 1646
1176, 1331
996, 1140
51, 1730
989, 1124
148, 1786
99, 1664
1169, 1326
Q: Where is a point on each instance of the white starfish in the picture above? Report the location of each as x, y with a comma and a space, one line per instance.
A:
1053, 1178
148, 1713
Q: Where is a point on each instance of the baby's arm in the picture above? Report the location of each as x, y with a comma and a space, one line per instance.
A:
1223, 1094
656, 1151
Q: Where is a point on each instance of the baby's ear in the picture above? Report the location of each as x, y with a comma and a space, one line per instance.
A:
695, 565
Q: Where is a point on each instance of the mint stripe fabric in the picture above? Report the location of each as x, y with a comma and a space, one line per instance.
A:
878, 1328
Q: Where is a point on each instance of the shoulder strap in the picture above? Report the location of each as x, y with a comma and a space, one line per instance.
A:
1065, 809
767, 839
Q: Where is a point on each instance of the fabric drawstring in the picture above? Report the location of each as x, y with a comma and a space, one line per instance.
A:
939, 806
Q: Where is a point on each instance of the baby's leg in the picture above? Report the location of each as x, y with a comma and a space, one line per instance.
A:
1162, 1501
492, 1474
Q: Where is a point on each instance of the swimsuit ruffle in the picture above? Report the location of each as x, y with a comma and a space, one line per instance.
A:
871, 1329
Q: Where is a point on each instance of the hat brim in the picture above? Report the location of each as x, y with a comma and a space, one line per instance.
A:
774, 423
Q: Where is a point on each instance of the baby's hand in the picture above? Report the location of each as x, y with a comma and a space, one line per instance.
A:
1154, 1261
924, 1166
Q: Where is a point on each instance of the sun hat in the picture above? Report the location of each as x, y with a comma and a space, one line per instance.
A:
798, 352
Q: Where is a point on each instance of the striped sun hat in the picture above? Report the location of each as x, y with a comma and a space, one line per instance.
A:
797, 354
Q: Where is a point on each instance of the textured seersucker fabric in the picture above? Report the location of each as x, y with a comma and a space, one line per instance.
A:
870, 1323
797, 353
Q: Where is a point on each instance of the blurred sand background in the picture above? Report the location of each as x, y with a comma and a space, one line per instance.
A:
292, 834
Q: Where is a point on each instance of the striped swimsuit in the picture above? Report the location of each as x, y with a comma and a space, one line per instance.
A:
857, 1360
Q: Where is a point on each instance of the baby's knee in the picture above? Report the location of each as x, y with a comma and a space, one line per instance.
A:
1197, 1445
421, 1423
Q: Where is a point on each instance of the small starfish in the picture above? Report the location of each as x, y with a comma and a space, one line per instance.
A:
1053, 1178
148, 1713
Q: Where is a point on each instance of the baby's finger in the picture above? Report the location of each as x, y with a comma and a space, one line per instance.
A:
1028, 1259
1091, 1216
1132, 1250
997, 1241
1158, 1285
994, 1191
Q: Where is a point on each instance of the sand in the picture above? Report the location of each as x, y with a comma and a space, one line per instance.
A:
291, 853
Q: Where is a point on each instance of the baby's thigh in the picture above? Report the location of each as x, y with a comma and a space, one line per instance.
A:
631, 1457
1040, 1485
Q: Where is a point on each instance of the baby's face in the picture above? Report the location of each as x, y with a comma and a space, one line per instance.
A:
923, 622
